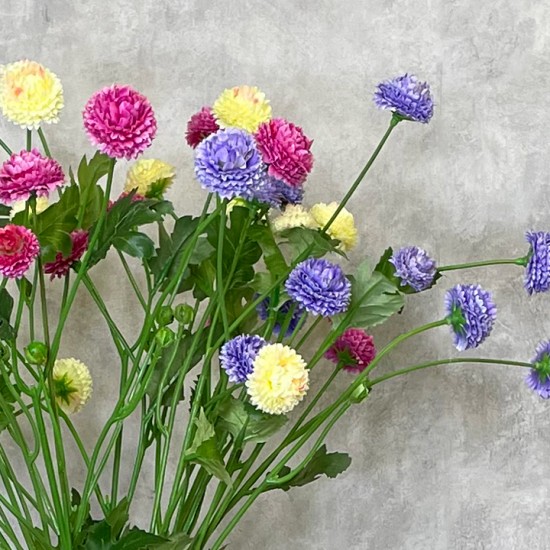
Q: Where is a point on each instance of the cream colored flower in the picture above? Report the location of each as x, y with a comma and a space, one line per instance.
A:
41, 204
150, 177
295, 215
72, 384
342, 228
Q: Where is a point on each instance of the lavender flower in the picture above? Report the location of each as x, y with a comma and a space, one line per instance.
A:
237, 356
320, 286
406, 96
471, 313
229, 164
537, 272
263, 310
538, 378
414, 267
277, 193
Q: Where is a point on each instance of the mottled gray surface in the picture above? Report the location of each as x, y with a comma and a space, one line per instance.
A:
456, 458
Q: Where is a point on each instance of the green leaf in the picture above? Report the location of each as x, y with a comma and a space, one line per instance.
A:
89, 173
135, 244
136, 539
322, 463
318, 244
6, 304
373, 298
178, 541
273, 257
118, 517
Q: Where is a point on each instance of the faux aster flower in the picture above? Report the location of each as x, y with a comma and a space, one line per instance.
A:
200, 126
18, 249
62, 264
242, 107
26, 173
72, 384
229, 164
149, 177
471, 313
406, 96
320, 286
342, 228
120, 121
279, 379
30, 94
538, 378
277, 193
355, 348
414, 267
537, 272
283, 311
237, 356
293, 216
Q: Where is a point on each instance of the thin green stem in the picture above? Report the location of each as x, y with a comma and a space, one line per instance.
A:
5, 147
132, 280
44, 143
514, 261
29, 140
219, 268
309, 332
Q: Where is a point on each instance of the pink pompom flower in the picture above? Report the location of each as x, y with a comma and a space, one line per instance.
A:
62, 264
354, 348
200, 126
120, 121
18, 249
286, 151
26, 173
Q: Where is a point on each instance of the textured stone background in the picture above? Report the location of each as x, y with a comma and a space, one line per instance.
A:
456, 458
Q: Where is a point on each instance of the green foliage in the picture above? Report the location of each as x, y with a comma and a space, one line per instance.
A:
178, 541
6, 307
317, 244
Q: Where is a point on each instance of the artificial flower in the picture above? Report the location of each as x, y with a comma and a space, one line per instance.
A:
19, 206
200, 126
342, 228
537, 271
18, 249
293, 216
149, 177
62, 264
288, 308
72, 384
538, 378
237, 356
354, 349
414, 267
242, 107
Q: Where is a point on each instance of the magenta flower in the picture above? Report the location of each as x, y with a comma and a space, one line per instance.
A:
61, 265
120, 121
26, 173
18, 248
354, 349
135, 198
200, 126
286, 151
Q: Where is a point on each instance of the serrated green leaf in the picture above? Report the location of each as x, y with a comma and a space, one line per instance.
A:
135, 244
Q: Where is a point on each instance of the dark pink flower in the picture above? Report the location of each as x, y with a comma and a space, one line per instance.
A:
286, 151
200, 126
18, 248
135, 198
26, 173
120, 121
354, 348
61, 265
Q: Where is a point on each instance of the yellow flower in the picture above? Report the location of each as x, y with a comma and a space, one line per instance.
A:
30, 94
242, 107
72, 383
342, 228
41, 204
150, 177
279, 380
294, 215
234, 202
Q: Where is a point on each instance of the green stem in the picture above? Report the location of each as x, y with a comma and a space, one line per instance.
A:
29, 140
44, 143
219, 268
5, 147
132, 280
515, 261
309, 332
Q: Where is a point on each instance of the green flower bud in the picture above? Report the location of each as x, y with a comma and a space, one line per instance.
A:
184, 314
164, 337
360, 393
36, 353
165, 316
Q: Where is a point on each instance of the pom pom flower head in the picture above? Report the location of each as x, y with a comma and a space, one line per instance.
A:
149, 178
537, 271
538, 378
320, 286
277, 193
354, 349
242, 107
120, 121
342, 228
406, 96
26, 173
62, 264
229, 164
18, 249
293, 216
414, 267
286, 151
237, 356
279, 380
72, 384
200, 126
471, 314
30, 94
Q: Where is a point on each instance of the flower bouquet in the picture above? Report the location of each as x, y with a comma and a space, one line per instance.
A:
229, 300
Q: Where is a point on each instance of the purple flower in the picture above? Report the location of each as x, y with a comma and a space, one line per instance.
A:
471, 313
538, 378
406, 96
263, 310
320, 286
229, 164
537, 272
237, 356
414, 267
277, 193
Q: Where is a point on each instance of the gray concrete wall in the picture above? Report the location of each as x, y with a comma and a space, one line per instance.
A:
456, 458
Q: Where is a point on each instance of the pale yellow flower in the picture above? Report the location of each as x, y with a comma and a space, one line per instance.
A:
342, 228
30, 94
72, 384
234, 202
242, 107
295, 215
41, 204
150, 177
279, 379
